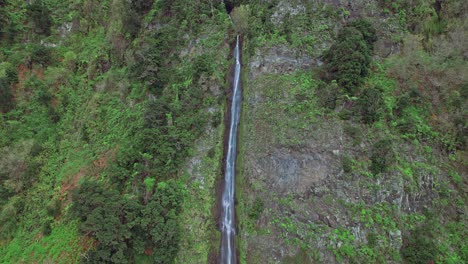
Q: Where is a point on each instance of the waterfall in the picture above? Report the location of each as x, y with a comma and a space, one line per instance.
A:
228, 247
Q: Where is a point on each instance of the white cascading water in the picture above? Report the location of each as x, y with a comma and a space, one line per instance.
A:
228, 248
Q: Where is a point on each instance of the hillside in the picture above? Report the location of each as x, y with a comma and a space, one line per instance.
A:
109, 109
354, 154
352, 142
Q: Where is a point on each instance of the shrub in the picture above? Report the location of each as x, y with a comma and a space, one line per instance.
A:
382, 156
40, 16
347, 164
17, 166
70, 60
46, 228
53, 209
131, 23
9, 216
371, 104
203, 64
328, 94
419, 247
413, 124
257, 209
354, 132
6, 96
10, 74
40, 54
461, 127
216, 119
9, 77
43, 95
240, 18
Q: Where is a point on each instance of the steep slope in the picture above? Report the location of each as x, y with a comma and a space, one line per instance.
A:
369, 173
352, 144
111, 130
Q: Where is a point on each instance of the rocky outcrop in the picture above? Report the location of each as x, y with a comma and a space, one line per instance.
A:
279, 59
310, 202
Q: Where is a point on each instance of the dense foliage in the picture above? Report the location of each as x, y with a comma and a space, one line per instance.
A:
100, 107
350, 56
125, 227
111, 130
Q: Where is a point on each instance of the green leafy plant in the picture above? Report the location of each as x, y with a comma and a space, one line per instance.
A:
344, 241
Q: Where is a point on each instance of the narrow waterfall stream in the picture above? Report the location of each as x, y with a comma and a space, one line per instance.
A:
228, 246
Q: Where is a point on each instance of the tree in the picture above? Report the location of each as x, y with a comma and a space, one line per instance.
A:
367, 30
104, 215
160, 219
349, 57
151, 59
125, 227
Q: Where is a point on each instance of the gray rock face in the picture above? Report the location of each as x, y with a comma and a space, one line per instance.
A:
293, 172
310, 203
286, 8
279, 59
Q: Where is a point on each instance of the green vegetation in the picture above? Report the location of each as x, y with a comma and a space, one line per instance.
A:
40, 17
8, 77
353, 133
124, 227
257, 209
380, 120
382, 156
349, 58
101, 110
420, 246
371, 104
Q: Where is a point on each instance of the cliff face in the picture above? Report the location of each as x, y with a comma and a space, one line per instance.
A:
111, 130
309, 190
